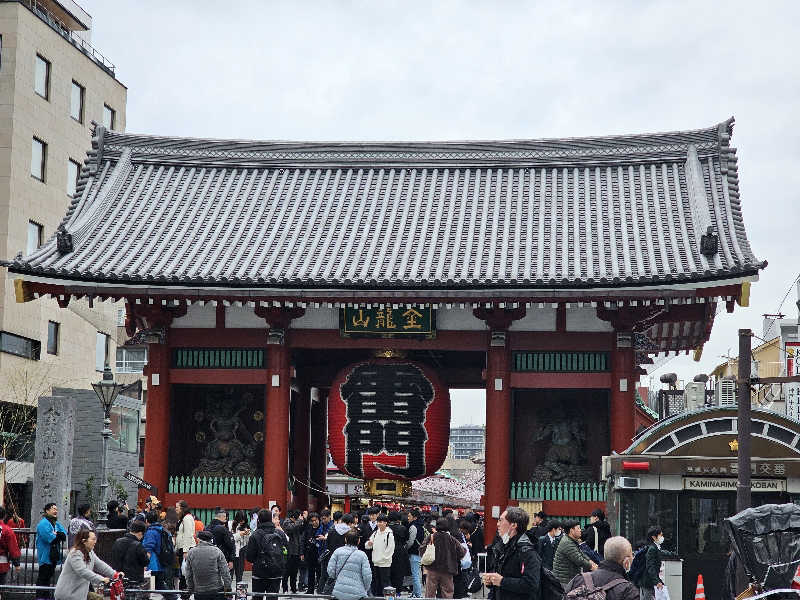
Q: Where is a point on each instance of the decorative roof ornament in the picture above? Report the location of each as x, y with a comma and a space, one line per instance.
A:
63, 240
709, 243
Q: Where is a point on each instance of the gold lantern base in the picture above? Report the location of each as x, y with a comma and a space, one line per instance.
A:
387, 487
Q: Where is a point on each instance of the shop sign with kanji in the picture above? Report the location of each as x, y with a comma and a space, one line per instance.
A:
388, 322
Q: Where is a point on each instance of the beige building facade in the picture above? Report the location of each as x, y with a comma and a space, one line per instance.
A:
53, 85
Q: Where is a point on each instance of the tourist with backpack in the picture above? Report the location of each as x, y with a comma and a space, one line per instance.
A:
158, 542
608, 581
517, 566
646, 575
416, 534
267, 549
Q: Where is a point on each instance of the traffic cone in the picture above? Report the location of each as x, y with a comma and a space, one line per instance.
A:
700, 592
796, 581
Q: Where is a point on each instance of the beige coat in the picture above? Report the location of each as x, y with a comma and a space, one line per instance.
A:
184, 539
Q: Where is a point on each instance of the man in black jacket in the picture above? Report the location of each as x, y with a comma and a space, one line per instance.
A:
539, 527
293, 527
611, 572
269, 532
650, 578
548, 543
400, 563
517, 566
223, 538
129, 556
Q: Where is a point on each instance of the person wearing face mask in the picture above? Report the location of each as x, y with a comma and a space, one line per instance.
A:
610, 574
517, 566
650, 580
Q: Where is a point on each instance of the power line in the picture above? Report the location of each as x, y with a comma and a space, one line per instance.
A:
786, 295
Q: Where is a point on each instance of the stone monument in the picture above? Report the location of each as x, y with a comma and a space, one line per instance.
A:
52, 468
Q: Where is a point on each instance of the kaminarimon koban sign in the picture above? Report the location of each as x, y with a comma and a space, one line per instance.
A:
728, 484
389, 419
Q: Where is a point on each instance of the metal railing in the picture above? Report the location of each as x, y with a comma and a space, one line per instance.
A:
37, 8
130, 366
29, 563
573, 491
139, 592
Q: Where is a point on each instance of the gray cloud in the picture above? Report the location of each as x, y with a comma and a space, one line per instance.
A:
478, 70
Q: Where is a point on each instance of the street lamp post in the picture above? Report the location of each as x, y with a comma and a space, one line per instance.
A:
107, 391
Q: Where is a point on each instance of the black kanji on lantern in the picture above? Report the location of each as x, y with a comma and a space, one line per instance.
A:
386, 407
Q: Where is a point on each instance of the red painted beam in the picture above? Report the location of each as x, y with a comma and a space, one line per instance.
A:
234, 501
567, 508
219, 376
217, 338
445, 340
561, 380
567, 340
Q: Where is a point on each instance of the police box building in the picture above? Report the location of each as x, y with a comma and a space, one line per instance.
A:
297, 295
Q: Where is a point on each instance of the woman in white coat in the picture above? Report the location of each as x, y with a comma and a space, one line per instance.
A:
184, 536
381, 542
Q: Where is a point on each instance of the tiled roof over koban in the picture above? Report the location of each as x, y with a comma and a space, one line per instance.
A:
571, 213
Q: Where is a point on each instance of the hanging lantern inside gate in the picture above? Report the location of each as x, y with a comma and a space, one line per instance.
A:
388, 419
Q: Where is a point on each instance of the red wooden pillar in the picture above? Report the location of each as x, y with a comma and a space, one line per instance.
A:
279, 389
498, 414
498, 435
318, 463
302, 434
156, 449
276, 425
623, 384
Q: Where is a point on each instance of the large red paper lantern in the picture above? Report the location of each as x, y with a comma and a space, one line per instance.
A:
388, 419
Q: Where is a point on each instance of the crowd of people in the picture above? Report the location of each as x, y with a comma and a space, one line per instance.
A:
350, 556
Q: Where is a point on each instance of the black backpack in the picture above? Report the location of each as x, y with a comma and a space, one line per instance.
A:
271, 560
550, 586
166, 556
638, 565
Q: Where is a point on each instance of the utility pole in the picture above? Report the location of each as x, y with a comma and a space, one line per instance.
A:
743, 497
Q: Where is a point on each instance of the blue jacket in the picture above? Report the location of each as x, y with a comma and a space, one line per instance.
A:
353, 576
45, 534
152, 543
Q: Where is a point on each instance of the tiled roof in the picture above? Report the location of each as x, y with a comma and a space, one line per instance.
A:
572, 213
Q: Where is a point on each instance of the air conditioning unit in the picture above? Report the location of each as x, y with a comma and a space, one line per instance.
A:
628, 483
725, 392
694, 393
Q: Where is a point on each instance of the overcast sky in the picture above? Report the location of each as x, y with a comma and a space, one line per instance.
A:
484, 70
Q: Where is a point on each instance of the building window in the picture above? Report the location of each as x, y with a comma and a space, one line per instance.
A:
21, 346
52, 337
35, 237
76, 101
131, 360
102, 346
109, 117
73, 171
41, 78
38, 159
124, 429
